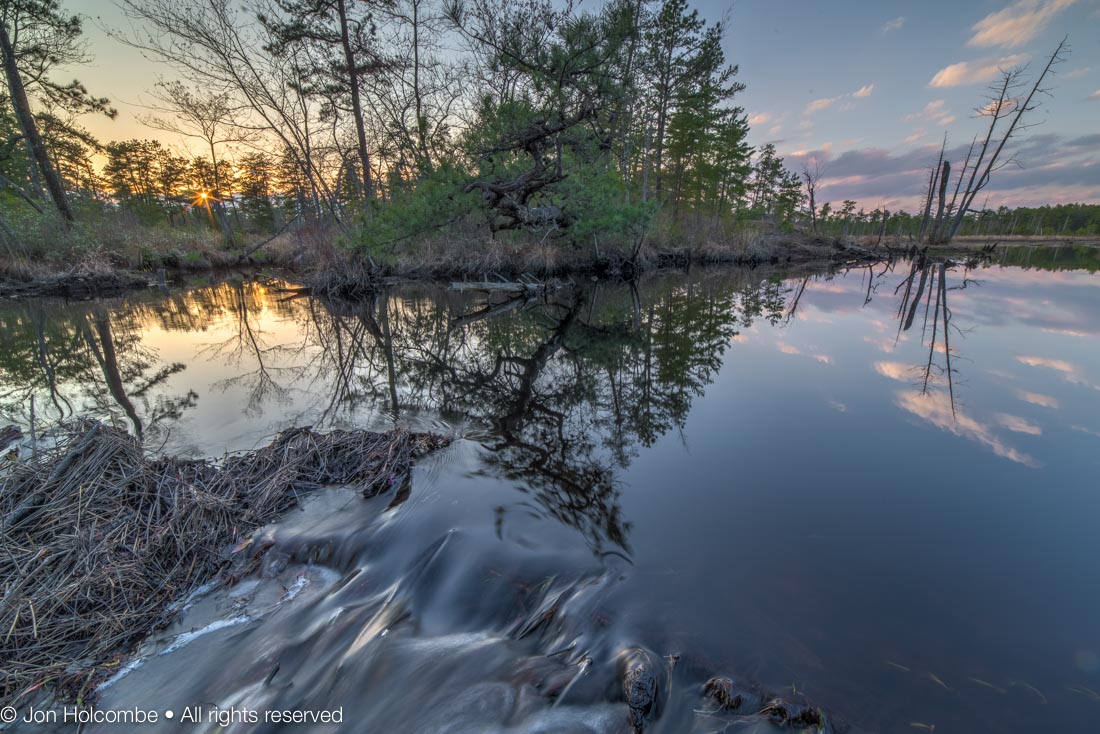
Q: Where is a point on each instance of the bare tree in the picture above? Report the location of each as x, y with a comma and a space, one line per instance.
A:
210, 44
1008, 104
812, 171
208, 116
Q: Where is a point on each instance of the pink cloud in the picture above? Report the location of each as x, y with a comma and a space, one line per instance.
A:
1017, 24
975, 72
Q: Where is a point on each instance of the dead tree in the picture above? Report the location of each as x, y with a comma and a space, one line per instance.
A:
933, 180
812, 176
1005, 106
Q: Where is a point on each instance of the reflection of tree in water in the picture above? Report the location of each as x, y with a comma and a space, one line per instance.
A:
257, 363
571, 386
60, 361
924, 291
66, 359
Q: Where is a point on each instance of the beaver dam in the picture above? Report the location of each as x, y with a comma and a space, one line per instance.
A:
98, 539
724, 500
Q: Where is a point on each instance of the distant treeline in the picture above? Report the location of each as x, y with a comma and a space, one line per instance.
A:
1044, 221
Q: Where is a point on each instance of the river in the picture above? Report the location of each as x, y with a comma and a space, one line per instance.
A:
873, 491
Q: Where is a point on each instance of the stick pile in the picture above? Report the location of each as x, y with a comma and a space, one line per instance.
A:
97, 539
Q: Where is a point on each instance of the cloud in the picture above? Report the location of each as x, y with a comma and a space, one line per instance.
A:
975, 72
759, 118
935, 110
1056, 169
1094, 97
998, 107
1077, 73
894, 25
820, 104
826, 102
919, 133
1017, 24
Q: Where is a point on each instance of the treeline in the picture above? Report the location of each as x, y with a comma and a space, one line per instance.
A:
391, 119
1061, 220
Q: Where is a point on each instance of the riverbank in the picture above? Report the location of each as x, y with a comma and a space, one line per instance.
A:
321, 261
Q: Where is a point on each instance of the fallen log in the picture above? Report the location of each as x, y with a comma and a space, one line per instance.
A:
508, 287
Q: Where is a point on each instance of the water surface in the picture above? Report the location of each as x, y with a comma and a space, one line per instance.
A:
873, 490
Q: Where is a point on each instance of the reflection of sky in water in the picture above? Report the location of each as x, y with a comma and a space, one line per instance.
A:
824, 515
871, 524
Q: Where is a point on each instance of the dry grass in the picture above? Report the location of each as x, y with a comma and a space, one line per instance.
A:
98, 539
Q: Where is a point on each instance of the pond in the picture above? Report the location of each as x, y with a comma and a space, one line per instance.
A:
873, 491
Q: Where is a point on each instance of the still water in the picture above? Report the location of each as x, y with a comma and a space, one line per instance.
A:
873, 491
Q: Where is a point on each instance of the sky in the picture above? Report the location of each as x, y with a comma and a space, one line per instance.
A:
867, 88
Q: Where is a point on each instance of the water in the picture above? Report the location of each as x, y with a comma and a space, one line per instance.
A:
781, 480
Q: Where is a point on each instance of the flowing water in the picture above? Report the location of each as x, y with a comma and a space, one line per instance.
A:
873, 491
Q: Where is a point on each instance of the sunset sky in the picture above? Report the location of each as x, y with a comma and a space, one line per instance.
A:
867, 87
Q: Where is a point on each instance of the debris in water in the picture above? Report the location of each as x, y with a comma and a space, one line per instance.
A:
640, 687
936, 679
987, 684
1033, 689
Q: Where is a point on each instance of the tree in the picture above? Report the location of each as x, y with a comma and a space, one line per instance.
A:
774, 191
706, 137
196, 113
563, 91
35, 37
211, 44
812, 175
342, 32
1010, 100
257, 190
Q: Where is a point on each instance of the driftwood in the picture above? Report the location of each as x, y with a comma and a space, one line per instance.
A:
508, 287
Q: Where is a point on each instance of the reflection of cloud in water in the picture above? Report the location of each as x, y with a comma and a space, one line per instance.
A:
1018, 424
1068, 332
1054, 364
786, 348
883, 344
1039, 399
1071, 373
895, 370
936, 409
832, 287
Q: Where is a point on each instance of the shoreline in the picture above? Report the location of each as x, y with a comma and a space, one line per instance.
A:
348, 273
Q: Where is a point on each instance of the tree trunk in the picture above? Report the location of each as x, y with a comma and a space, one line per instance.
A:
22, 109
421, 119
356, 102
